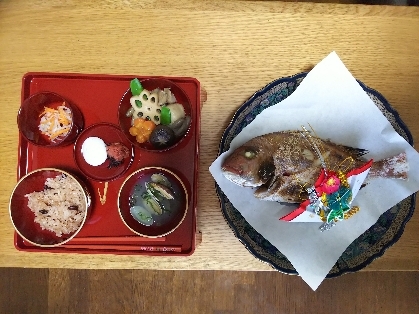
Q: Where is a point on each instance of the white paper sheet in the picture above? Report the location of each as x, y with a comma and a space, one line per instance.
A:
332, 102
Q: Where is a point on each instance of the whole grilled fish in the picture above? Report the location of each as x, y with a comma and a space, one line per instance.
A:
282, 164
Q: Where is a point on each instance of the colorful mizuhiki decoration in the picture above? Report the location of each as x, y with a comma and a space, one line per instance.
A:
330, 197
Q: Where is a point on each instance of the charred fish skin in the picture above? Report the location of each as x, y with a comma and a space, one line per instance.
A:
287, 189
283, 164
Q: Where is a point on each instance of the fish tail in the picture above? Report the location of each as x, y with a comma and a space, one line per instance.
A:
395, 167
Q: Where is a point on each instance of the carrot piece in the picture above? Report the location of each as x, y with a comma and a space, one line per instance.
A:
51, 124
55, 122
133, 131
58, 133
46, 110
63, 117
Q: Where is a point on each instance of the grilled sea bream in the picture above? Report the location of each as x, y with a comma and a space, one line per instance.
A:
283, 164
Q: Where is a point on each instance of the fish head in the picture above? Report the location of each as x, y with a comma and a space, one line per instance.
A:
248, 166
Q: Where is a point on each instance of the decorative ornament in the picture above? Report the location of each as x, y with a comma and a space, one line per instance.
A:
330, 198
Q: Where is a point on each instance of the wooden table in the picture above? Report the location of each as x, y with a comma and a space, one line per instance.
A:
233, 48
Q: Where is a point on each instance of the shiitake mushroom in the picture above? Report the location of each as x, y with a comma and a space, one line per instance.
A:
162, 136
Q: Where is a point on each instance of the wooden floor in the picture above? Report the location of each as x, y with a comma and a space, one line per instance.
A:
215, 292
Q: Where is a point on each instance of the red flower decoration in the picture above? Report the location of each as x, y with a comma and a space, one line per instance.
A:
330, 184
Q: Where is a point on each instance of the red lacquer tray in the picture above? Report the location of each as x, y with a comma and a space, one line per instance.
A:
98, 97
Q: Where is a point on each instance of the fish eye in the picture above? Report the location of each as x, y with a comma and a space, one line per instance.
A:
250, 153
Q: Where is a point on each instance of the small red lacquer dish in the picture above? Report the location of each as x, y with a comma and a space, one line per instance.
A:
29, 119
109, 133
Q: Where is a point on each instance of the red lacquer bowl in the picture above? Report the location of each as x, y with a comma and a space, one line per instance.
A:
23, 218
109, 133
163, 223
29, 117
150, 85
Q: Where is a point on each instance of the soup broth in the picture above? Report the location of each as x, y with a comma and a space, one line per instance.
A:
169, 208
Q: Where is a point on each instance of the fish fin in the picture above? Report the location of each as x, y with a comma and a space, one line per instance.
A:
263, 193
273, 183
355, 152
278, 193
395, 167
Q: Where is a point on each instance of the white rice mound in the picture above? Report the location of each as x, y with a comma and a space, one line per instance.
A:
60, 207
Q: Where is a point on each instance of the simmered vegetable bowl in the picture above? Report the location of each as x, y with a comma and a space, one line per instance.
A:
156, 116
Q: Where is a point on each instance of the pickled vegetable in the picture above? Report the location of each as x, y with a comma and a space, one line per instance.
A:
165, 116
136, 87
